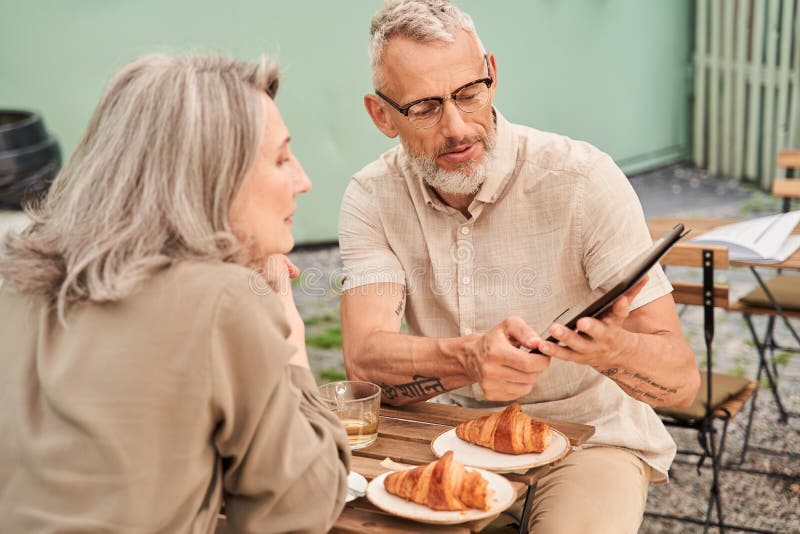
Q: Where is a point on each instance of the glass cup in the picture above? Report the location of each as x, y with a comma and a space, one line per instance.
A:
357, 405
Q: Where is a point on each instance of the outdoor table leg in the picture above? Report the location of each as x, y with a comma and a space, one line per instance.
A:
764, 366
775, 305
526, 509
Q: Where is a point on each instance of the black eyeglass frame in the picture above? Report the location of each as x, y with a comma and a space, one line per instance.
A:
488, 81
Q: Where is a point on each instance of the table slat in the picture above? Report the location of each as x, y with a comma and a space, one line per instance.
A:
410, 430
369, 467
403, 451
356, 521
444, 414
471, 526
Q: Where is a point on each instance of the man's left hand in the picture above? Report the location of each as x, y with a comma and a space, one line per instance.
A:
597, 342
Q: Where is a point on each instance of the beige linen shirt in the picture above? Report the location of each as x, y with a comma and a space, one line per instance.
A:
143, 415
554, 219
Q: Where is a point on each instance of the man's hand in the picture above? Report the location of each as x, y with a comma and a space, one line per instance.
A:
503, 369
598, 342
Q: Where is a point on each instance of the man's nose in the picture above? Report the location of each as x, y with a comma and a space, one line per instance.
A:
452, 124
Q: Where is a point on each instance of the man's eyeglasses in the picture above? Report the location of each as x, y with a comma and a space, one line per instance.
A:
427, 112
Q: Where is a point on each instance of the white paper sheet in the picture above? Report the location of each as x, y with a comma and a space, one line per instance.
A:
765, 239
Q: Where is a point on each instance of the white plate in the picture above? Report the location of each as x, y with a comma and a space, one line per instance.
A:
477, 456
356, 486
501, 499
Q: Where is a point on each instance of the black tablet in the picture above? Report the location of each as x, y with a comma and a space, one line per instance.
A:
604, 296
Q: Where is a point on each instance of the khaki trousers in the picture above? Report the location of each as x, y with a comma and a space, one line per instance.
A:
593, 490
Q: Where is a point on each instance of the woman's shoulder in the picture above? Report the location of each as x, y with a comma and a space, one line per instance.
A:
196, 286
210, 285
207, 276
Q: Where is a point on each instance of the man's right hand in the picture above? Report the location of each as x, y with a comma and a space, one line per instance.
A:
503, 369
375, 351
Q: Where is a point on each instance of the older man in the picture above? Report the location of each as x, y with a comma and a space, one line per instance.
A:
480, 232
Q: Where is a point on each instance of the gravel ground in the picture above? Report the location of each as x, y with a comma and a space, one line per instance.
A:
764, 493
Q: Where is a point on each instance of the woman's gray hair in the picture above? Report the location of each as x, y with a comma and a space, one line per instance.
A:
424, 21
150, 183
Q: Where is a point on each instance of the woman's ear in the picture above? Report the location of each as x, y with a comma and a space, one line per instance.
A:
380, 115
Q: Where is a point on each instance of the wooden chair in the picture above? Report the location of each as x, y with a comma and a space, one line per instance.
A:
721, 396
778, 298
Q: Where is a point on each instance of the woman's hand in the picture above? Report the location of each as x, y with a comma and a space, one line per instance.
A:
279, 272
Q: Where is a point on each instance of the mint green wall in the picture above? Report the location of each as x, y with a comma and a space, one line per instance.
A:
612, 72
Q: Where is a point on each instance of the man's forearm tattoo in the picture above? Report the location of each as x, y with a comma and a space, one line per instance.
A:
401, 306
420, 386
628, 379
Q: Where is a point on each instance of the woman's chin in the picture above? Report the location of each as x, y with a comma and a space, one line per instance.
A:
282, 246
289, 241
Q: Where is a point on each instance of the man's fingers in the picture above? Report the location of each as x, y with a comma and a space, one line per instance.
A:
527, 363
619, 310
635, 290
516, 329
500, 351
554, 350
620, 307
575, 340
502, 373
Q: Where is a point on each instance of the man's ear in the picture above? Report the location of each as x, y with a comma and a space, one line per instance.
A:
493, 67
379, 115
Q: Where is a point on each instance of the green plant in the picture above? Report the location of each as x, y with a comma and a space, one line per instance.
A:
323, 318
330, 375
758, 202
738, 371
783, 357
329, 338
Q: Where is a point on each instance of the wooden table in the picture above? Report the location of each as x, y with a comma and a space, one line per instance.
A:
659, 226
404, 435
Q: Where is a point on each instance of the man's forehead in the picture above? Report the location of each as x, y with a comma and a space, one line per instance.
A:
439, 65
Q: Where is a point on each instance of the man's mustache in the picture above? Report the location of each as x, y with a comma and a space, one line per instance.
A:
451, 144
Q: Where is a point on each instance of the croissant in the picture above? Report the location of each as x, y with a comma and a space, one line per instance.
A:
441, 485
510, 431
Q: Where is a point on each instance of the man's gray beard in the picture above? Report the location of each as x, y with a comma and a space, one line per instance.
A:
466, 180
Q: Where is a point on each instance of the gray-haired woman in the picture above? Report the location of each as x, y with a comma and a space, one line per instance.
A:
147, 377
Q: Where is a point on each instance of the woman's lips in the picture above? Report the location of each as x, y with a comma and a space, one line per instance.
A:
460, 154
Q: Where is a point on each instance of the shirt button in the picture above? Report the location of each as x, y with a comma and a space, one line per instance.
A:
467, 331
465, 230
465, 280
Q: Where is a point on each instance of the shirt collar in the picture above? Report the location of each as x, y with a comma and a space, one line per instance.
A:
503, 164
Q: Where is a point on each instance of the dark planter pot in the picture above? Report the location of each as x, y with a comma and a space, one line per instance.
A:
18, 160
29, 158
30, 186
20, 129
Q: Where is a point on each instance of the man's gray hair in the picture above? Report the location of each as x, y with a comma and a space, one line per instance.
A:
424, 21
150, 183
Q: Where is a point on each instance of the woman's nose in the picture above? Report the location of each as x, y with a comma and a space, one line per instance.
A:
302, 183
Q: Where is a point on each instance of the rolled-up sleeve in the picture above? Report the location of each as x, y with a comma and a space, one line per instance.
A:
366, 254
284, 455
